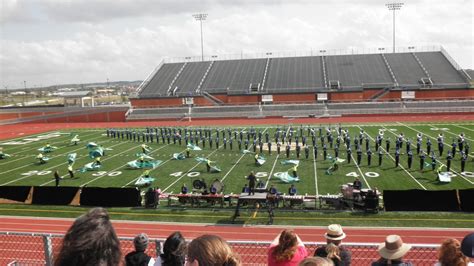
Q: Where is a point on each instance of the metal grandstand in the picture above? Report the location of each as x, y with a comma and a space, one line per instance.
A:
298, 72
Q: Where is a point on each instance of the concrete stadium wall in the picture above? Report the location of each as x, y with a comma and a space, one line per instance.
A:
243, 99
155, 102
368, 93
17, 115
294, 98
106, 116
392, 95
357, 96
201, 101
338, 96
444, 94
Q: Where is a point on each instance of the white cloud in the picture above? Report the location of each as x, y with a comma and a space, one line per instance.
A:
72, 41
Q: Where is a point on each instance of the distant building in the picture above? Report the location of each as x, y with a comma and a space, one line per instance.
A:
78, 98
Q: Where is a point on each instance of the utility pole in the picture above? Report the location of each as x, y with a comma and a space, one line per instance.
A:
200, 17
393, 7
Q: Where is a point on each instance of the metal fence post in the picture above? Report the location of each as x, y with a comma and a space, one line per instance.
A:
48, 250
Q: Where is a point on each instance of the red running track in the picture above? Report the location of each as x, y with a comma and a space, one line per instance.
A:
229, 232
19, 130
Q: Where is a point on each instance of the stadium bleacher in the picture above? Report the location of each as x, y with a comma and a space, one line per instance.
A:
304, 74
356, 70
189, 79
294, 73
161, 81
234, 76
440, 69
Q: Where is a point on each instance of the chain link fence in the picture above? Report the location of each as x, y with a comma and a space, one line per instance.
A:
40, 249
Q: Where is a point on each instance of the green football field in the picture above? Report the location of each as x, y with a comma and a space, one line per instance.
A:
23, 169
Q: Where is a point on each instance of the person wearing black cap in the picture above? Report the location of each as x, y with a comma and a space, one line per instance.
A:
467, 245
139, 257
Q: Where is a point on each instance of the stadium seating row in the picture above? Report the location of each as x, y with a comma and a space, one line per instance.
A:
302, 74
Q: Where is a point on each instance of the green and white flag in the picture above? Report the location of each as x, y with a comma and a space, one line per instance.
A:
194, 147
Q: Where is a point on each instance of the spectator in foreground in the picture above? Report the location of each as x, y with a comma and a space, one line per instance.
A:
335, 235
91, 240
286, 249
210, 250
392, 251
316, 261
450, 254
174, 251
139, 257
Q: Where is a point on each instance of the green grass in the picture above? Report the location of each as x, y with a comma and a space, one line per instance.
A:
282, 217
171, 174
22, 167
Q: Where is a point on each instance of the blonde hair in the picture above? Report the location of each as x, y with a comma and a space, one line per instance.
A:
333, 252
450, 253
212, 250
316, 261
287, 245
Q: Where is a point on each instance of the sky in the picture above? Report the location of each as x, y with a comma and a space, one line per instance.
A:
49, 42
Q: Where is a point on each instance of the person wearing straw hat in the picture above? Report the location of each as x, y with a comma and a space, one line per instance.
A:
392, 251
335, 235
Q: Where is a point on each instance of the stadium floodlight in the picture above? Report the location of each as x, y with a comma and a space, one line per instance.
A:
200, 17
393, 7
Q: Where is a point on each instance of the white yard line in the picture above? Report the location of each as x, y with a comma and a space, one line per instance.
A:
464, 127
232, 168
23, 157
447, 144
360, 171
61, 154
315, 176
27, 136
151, 170
21, 178
472, 183
185, 173
235, 164
401, 166
456, 135
271, 171
117, 168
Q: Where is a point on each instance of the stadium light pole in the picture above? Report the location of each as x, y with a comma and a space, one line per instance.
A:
393, 7
200, 17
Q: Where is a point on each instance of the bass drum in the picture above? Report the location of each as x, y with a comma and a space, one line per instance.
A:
199, 184
218, 185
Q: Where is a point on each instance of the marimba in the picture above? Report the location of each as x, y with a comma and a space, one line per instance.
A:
195, 199
293, 200
333, 200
